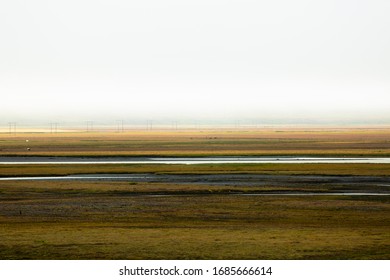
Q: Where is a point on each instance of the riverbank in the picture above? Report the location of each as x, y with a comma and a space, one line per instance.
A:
113, 220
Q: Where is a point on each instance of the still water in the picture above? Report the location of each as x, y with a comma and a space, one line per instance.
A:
184, 160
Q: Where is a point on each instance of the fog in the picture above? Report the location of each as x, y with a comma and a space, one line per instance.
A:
313, 62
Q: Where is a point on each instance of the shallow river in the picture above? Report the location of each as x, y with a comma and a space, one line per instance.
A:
184, 160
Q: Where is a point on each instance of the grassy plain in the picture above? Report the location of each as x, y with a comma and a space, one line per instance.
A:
266, 168
112, 220
312, 142
129, 220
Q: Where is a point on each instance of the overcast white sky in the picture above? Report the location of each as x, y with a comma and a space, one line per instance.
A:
304, 60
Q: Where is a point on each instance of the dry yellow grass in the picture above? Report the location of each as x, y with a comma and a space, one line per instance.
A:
356, 169
352, 142
107, 220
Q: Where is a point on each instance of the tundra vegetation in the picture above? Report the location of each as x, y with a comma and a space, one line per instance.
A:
152, 220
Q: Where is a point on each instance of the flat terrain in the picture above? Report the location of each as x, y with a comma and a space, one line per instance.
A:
309, 142
272, 169
207, 218
127, 220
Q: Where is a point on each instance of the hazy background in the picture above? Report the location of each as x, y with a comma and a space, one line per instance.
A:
209, 61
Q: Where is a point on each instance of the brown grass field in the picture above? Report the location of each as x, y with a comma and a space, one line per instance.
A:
84, 220
311, 142
266, 168
127, 220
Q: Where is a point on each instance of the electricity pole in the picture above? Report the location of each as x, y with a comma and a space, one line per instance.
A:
12, 127
149, 125
53, 128
120, 126
89, 126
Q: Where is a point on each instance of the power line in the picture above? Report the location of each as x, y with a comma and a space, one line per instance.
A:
149, 125
53, 127
89, 126
174, 125
12, 127
120, 127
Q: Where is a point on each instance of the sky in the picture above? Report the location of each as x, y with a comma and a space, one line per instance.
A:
279, 61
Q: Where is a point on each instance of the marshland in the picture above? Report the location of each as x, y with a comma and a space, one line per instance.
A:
201, 211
